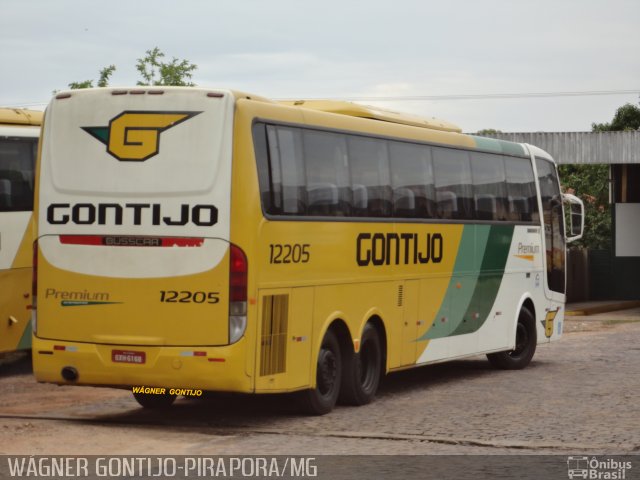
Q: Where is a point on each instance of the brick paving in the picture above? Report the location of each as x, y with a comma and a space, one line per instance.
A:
579, 395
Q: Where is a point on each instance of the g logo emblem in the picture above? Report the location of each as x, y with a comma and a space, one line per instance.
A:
135, 136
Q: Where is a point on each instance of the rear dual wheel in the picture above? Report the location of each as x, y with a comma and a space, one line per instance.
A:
362, 370
322, 399
341, 373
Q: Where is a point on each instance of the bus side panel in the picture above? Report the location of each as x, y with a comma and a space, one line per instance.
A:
16, 254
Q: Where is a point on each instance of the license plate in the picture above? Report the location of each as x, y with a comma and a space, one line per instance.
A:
128, 356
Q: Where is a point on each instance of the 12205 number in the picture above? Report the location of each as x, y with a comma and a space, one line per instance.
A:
286, 253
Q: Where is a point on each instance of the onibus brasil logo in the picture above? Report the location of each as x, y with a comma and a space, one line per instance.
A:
134, 136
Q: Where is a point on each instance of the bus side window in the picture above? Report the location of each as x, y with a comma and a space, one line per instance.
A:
521, 190
412, 180
287, 170
327, 173
369, 167
489, 192
452, 173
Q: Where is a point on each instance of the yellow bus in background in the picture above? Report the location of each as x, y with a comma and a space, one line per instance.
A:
19, 131
200, 239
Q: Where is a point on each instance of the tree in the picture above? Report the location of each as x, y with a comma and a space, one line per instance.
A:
627, 117
153, 71
103, 80
488, 131
591, 182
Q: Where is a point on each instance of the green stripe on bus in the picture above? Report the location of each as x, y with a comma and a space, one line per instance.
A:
462, 284
492, 273
476, 279
499, 146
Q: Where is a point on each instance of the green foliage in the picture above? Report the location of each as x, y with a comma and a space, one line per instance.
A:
103, 79
153, 71
488, 131
626, 117
105, 74
156, 72
591, 184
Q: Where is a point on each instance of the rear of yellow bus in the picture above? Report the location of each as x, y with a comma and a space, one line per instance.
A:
138, 284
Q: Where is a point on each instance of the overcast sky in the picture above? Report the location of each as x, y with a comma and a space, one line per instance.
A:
347, 49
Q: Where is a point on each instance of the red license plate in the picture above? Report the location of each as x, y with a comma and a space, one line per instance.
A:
128, 356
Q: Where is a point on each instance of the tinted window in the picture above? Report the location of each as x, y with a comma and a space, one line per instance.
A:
369, 166
553, 220
521, 191
319, 173
489, 189
17, 161
327, 174
452, 174
412, 180
287, 170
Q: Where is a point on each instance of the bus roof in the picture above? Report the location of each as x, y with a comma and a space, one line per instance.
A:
366, 111
18, 116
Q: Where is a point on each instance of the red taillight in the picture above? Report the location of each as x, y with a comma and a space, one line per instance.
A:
238, 269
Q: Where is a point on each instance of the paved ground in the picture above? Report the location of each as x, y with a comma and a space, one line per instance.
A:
580, 395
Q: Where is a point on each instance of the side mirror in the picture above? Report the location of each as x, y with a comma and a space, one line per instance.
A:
575, 217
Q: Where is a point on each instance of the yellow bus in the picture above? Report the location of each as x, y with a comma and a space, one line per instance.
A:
19, 131
194, 239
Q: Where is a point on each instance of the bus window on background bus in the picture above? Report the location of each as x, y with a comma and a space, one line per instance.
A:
553, 224
412, 180
16, 174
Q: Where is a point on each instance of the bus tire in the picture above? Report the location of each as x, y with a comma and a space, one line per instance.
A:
526, 341
151, 401
321, 399
362, 371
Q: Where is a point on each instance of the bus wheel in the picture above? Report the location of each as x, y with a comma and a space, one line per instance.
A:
148, 400
526, 340
322, 399
362, 370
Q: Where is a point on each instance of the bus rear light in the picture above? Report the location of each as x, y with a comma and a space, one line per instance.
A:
238, 273
62, 96
238, 269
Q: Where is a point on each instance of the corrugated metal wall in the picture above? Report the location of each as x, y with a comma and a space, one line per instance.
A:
583, 147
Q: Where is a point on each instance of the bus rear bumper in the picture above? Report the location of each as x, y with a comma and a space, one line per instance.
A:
204, 368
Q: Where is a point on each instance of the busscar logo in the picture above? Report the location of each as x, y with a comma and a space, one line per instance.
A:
134, 136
